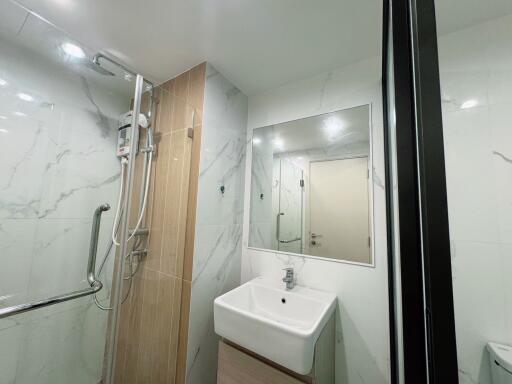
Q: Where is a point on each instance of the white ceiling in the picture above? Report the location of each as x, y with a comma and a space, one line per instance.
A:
257, 44
331, 132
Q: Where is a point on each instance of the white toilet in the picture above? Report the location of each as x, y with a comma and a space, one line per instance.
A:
500, 358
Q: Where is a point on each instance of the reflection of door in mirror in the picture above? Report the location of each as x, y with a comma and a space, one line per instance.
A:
338, 209
288, 206
281, 201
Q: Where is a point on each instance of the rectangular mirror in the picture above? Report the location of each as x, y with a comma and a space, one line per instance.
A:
311, 187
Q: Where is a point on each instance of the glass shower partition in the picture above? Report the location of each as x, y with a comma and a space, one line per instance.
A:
59, 114
288, 204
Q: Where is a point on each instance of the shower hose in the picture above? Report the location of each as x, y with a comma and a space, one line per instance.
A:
115, 227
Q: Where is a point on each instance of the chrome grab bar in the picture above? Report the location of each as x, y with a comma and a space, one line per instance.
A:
93, 244
278, 231
278, 226
95, 284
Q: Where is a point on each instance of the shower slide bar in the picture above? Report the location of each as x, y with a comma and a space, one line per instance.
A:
95, 284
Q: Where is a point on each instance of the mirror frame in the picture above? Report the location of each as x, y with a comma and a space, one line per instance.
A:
371, 186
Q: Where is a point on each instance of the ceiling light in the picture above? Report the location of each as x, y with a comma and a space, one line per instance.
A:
21, 114
332, 126
25, 97
469, 104
278, 143
73, 50
3, 82
256, 140
3, 130
65, 3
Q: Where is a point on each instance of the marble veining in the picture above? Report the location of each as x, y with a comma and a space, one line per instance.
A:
102, 121
24, 157
502, 156
66, 194
362, 344
59, 163
218, 240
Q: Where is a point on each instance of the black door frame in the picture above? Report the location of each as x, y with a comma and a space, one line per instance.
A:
420, 200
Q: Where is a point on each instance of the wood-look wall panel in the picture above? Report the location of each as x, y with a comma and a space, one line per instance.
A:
157, 203
176, 204
153, 326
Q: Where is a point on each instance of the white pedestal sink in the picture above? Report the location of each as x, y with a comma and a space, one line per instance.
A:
280, 325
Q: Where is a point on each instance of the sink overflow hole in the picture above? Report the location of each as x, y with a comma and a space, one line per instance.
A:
283, 300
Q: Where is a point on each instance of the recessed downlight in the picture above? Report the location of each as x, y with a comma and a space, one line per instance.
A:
469, 104
278, 143
73, 50
3, 82
332, 127
25, 97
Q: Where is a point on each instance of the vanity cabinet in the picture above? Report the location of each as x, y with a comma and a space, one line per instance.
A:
238, 365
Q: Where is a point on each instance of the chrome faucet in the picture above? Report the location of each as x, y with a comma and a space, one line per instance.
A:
289, 279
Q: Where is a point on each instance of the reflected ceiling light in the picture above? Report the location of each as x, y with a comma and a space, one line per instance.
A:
65, 3
256, 140
3, 130
278, 143
73, 50
25, 97
333, 126
3, 82
469, 104
2, 117
127, 76
21, 114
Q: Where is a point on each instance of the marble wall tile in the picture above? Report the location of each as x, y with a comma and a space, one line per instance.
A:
470, 262
11, 336
59, 333
57, 267
475, 65
218, 231
60, 164
362, 344
264, 199
16, 239
222, 160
